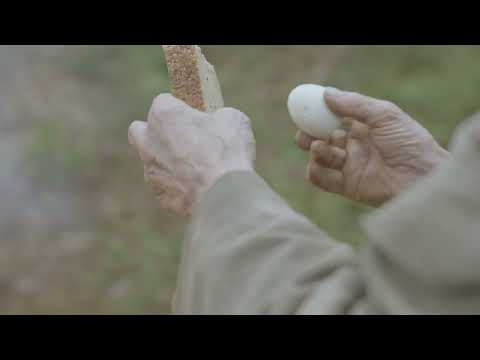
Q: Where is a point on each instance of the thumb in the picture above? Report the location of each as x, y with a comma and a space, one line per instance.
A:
136, 133
137, 137
353, 105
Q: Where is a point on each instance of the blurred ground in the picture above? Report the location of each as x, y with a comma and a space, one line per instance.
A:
79, 233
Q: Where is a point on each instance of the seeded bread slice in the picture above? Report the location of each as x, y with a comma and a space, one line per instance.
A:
193, 80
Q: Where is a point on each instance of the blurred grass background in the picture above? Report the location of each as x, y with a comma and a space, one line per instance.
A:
118, 252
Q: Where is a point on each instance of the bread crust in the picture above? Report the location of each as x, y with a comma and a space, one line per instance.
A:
193, 80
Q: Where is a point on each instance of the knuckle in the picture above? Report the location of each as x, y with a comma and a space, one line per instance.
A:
339, 159
161, 99
366, 110
315, 156
234, 114
165, 104
338, 140
338, 153
302, 141
225, 113
389, 108
228, 111
336, 134
318, 147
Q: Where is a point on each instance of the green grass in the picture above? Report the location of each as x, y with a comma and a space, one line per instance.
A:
52, 158
438, 86
150, 267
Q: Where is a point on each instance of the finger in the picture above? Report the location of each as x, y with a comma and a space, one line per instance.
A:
339, 138
358, 130
360, 107
231, 113
136, 132
326, 179
357, 150
339, 156
167, 191
303, 141
321, 153
137, 137
328, 156
166, 107
229, 118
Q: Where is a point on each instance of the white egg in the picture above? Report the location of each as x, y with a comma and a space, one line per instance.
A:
309, 111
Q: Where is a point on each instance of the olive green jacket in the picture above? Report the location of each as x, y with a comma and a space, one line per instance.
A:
247, 252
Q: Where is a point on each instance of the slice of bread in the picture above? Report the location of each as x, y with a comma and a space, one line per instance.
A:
193, 80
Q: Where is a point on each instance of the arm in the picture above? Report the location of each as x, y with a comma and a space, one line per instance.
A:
424, 247
246, 250
422, 255
423, 252
257, 256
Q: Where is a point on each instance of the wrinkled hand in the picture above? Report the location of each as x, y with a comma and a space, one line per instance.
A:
380, 153
186, 151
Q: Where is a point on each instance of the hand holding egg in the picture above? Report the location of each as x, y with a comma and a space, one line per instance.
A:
310, 113
382, 153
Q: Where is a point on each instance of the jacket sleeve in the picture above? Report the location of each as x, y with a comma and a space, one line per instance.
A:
247, 252
423, 256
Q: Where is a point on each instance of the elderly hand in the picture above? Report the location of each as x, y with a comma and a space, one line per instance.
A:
186, 151
382, 153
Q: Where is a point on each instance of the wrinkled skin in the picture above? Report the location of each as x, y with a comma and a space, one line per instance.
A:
186, 151
380, 152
